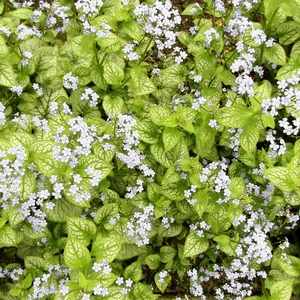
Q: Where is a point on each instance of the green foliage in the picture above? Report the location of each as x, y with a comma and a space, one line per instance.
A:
141, 157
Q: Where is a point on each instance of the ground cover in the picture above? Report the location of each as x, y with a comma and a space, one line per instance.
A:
149, 149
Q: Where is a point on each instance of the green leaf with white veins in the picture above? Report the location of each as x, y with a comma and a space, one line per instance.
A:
280, 177
171, 136
290, 265
250, 136
113, 73
159, 154
106, 248
112, 105
148, 132
76, 255
275, 54
62, 210
288, 32
81, 229
27, 185
133, 29
105, 213
282, 290
7, 75
158, 114
134, 272
167, 253
194, 245
139, 83
235, 116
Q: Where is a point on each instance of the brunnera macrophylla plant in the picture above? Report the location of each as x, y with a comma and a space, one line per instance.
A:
142, 155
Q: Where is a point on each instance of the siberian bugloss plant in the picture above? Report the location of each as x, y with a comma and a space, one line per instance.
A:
146, 150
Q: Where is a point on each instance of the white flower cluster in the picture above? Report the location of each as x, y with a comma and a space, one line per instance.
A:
179, 55
38, 89
195, 288
87, 136
18, 89
27, 56
70, 81
91, 96
132, 191
188, 194
58, 16
289, 96
103, 266
199, 228
129, 51
198, 100
46, 284
41, 123
13, 274
133, 157
5, 30
11, 174
238, 277
30, 210
219, 5
214, 175
99, 290
161, 19
166, 222
163, 275
127, 285
23, 31
209, 36
89, 7
139, 226
2, 114
277, 149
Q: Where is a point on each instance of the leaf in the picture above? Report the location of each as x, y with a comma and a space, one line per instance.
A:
27, 282
8, 237
106, 248
76, 255
81, 229
290, 69
174, 191
162, 285
167, 253
174, 230
249, 137
105, 213
113, 73
7, 75
194, 245
171, 136
171, 176
202, 202
282, 290
133, 29
27, 185
21, 13
130, 250
158, 114
235, 116
46, 164
34, 262
279, 176
148, 132
219, 220
62, 210
288, 32
134, 272
275, 54
290, 265
139, 83
153, 261
159, 154
112, 105
227, 245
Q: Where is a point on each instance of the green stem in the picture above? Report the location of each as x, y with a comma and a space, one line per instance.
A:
96, 55
262, 283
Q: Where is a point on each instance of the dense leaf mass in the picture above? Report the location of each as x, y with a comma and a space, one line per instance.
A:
149, 148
